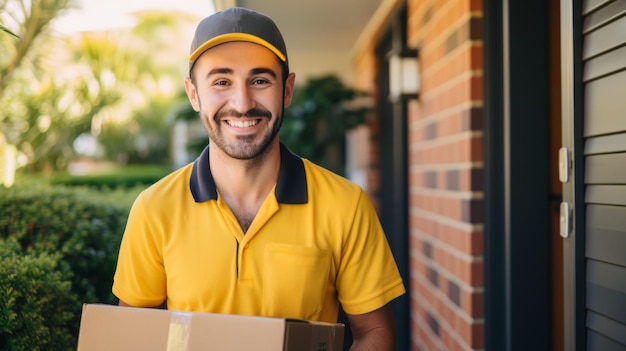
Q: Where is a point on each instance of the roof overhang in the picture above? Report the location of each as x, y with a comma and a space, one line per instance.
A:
322, 36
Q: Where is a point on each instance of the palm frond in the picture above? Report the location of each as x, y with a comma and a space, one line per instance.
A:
6, 30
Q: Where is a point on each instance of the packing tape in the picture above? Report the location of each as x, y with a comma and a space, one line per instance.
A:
178, 336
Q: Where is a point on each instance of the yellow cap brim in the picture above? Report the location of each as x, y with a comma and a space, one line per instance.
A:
230, 37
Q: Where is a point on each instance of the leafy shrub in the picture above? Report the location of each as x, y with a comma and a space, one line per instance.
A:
37, 307
81, 226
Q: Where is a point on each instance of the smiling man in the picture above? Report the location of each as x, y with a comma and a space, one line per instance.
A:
250, 228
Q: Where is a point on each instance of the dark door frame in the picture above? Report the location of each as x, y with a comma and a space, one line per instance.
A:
394, 169
516, 223
572, 97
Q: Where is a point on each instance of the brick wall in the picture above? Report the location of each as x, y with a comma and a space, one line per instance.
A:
445, 157
445, 173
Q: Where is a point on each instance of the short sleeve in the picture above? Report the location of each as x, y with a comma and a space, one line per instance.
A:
368, 276
140, 278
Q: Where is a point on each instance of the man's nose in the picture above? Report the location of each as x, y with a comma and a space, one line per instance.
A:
242, 99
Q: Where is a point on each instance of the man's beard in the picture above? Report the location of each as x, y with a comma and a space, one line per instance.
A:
244, 148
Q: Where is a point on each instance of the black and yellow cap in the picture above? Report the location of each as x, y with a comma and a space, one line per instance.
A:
237, 24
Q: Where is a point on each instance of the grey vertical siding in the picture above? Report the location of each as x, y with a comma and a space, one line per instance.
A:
604, 56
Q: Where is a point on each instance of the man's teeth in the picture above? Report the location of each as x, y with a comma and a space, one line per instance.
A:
242, 124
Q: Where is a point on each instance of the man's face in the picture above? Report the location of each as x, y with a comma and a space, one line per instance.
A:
238, 90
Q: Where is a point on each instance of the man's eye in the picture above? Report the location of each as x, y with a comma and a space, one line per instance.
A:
260, 81
221, 82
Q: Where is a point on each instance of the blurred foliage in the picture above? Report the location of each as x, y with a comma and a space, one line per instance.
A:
113, 88
185, 112
37, 308
6, 30
321, 112
144, 139
81, 227
72, 221
22, 59
30, 19
128, 177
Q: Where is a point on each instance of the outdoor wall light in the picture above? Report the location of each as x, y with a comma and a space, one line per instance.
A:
404, 75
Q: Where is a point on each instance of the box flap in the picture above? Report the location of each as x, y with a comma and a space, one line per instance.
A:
235, 332
106, 328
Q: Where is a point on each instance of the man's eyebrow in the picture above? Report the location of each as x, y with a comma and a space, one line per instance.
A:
269, 71
219, 71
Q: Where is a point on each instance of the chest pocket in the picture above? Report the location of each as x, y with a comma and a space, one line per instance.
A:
295, 280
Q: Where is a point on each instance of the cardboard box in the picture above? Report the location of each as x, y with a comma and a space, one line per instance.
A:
107, 327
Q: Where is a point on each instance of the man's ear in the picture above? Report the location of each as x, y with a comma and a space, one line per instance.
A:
289, 84
192, 94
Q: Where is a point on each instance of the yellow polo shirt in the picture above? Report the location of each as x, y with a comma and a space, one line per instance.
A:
316, 242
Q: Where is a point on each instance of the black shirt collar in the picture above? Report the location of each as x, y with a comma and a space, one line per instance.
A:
291, 187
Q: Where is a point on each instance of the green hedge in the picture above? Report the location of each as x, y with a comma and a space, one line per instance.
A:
36, 303
79, 227
125, 178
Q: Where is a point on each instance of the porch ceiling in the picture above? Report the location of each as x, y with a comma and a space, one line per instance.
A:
313, 28
322, 24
